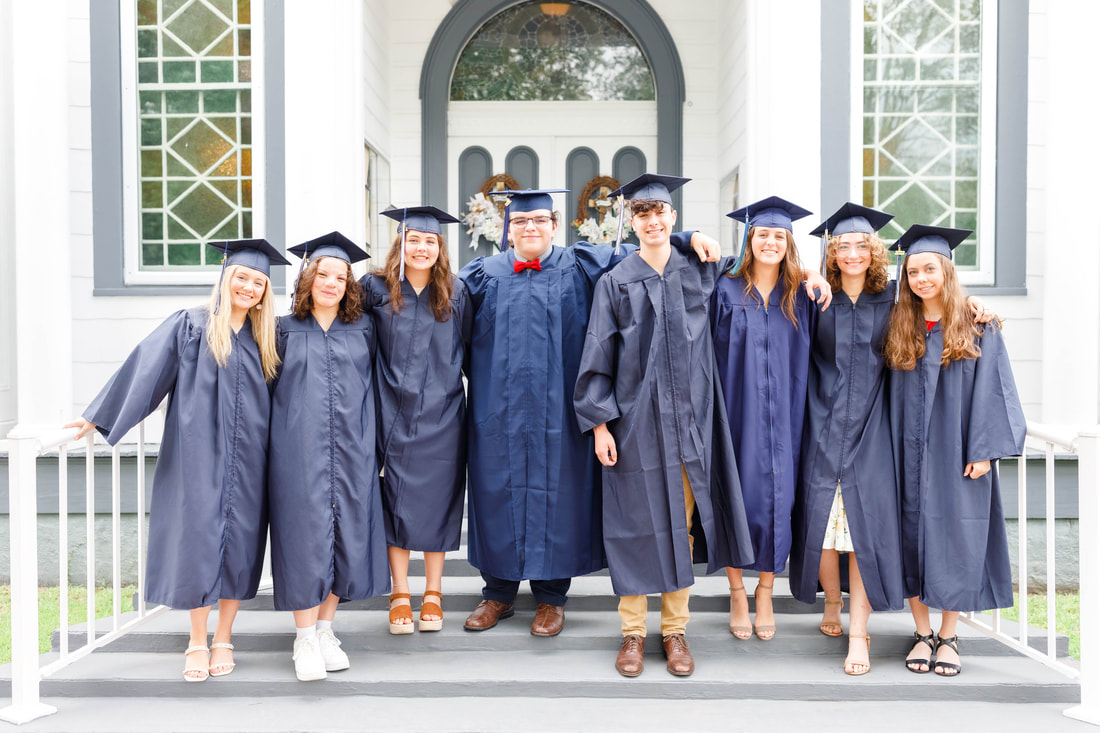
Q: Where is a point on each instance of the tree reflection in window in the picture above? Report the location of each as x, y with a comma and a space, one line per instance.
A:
560, 51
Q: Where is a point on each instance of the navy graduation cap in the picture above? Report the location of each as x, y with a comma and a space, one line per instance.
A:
420, 219
257, 254
847, 219
772, 211
646, 187
333, 244
925, 238
529, 199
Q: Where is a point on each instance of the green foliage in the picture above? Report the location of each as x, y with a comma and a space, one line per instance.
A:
49, 612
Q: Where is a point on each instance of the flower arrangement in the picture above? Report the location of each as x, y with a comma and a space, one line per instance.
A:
482, 219
605, 230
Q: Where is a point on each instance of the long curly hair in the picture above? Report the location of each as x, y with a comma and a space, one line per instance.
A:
878, 274
905, 339
351, 305
219, 327
790, 274
440, 282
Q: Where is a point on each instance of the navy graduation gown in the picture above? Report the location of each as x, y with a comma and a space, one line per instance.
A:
954, 546
847, 439
422, 415
534, 500
648, 371
208, 512
327, 532
762, 363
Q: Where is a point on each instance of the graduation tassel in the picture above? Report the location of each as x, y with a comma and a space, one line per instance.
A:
744, 243
302, 266
619, 236
404, 228
824, 249
221, 276
897, 278
504, 227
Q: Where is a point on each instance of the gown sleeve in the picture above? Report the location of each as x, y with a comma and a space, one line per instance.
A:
594, 396
476, 281
997, 425
374, 292
143, 380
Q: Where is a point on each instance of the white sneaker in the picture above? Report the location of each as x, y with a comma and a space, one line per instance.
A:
309, 665
335, 657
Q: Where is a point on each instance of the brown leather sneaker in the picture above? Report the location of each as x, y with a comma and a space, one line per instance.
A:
680, 662
548, 620
486, 615
629, 661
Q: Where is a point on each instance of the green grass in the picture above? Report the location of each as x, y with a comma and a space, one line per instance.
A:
1067, 610
49, 612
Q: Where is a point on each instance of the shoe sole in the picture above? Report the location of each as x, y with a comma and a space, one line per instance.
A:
681, 674
340, 668
507, 614
310, 678
544, 634
399, 629
628, 674
431, 625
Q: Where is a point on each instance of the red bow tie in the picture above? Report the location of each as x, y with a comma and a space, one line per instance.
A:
531, 264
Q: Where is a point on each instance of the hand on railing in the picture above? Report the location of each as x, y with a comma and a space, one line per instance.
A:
84, 425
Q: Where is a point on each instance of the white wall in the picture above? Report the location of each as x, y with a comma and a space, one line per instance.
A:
732, 74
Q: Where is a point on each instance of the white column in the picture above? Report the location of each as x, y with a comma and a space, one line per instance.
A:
1071, 257
40, 210
784, 108
324, 120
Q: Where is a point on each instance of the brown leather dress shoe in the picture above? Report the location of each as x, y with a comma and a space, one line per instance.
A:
486, 615
629, 661
680, 662
548, 620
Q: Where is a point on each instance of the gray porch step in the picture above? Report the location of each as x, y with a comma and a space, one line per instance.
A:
587, 593
722, 672
367, 632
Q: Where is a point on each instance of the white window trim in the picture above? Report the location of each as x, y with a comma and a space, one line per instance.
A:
131, 171
987, 164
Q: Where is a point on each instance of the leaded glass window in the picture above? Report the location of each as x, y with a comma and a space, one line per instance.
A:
195, 137
927, 140
552, 51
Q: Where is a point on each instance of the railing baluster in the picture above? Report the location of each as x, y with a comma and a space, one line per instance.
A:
1021, 542
1052, 635
89, 535
141, 520
63, 545
116, 539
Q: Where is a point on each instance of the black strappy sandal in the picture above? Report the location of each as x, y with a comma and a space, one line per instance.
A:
927, 639
952, 643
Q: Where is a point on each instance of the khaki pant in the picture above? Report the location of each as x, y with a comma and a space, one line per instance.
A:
674, 605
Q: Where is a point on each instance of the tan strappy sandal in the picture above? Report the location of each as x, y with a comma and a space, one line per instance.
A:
431, 608
832, 624
744, 633
404, 611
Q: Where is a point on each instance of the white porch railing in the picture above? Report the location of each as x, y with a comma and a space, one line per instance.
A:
24, 448
1085, 444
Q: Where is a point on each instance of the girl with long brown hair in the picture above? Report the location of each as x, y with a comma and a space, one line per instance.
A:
213, 364
954, 411
327, 534
422, 319
761, 320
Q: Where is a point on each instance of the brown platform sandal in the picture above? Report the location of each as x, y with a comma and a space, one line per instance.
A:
833, 624
763, 632
404, 611
431, 608
849, 663
744, 633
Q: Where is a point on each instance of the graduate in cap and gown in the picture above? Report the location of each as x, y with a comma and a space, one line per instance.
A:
328, 539
422, 321
534, 502
647, 390
954, 411
846, 499
762, 320
208, 511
